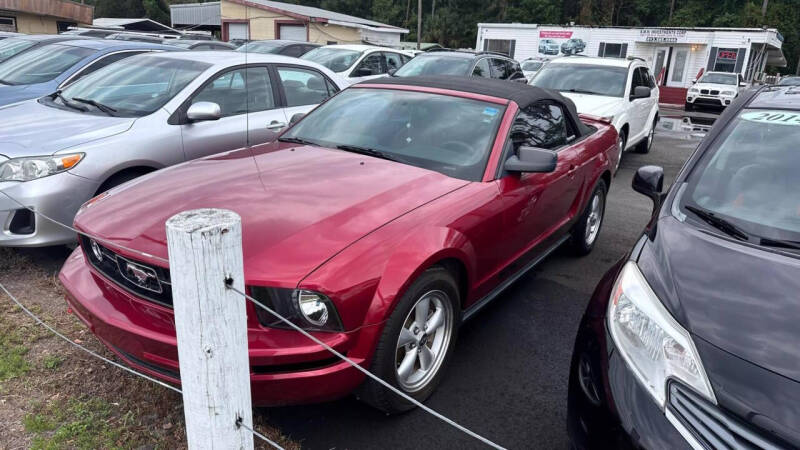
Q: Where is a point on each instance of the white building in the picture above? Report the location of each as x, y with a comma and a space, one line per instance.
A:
677, 56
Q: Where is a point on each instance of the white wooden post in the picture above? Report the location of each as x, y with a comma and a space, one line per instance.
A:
205, 249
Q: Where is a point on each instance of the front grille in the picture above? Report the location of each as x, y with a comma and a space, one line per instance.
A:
713, 92
704, 91
713, 427
148, 282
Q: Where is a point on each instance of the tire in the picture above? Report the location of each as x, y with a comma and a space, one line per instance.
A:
622, 140
646, 144
584, 234
439, 287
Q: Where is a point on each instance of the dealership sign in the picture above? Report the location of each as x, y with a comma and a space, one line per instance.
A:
662, 35
555, 34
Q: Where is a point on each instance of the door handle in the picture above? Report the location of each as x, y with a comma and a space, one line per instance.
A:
571, 171
275, 125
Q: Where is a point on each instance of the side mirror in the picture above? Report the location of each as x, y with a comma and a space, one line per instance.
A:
202, 111
640, 92
391, 72
649, 181
363, 72
296, 118
532, 159
694, 81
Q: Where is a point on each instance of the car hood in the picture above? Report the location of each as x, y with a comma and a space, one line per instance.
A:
299, 205
738, 298
596, 105
30, 128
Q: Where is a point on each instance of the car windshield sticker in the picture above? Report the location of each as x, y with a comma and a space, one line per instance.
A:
490, 111
774, 117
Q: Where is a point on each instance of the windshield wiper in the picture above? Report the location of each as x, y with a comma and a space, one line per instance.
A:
296, 140
367, 151
581, 91
105, 108
66, 102
719, 223
767, 242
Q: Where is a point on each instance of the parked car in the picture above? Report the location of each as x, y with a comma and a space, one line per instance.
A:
714, 89
279, 47
463, 63
373, 222
356, 63
621, 90
691, 340
790, 80
532, 65
48, 68
17, 44
548, 47
573, 46
187, 44
135, 116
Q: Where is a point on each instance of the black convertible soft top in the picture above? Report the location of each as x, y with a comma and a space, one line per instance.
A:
520, 93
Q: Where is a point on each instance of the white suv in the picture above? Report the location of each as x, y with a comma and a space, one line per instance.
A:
714, 89
622, 91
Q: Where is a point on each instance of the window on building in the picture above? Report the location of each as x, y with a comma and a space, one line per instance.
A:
504, 46
612, 50
726, 60
8, 24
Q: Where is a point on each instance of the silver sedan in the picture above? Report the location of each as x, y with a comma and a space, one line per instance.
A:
136, 116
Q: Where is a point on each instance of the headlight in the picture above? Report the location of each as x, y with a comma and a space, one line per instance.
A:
694, 90
306, 309
653, 344
728, 93
31, 168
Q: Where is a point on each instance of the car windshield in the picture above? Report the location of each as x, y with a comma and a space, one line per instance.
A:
41, 64
261, 47
336, 59
12, 46
750, 177
132, 87
531, 66
718, 78
435, 65
790, 81
451, 135
583, 78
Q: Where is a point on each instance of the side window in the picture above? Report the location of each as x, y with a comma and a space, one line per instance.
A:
649, 81
239, 91
373, 62
303, 86
102, 62
482, 69
540, 125
293, 50
393, 60
405, 58
499, 68
514, 70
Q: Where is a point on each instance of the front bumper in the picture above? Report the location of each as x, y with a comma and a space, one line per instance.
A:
708, 100
58, 197
286, 367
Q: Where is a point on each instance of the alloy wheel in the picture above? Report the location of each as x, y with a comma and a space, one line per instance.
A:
424, 340
594, 219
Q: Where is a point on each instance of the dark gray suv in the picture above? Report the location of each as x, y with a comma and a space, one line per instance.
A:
464, 63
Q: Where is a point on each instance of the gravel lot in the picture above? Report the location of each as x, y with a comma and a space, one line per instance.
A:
507, 380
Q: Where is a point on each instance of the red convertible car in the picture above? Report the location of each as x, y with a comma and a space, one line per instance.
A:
380, 221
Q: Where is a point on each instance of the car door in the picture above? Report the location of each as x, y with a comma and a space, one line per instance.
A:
302, 89
373, 63
538, 206
227, 89
640, 108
